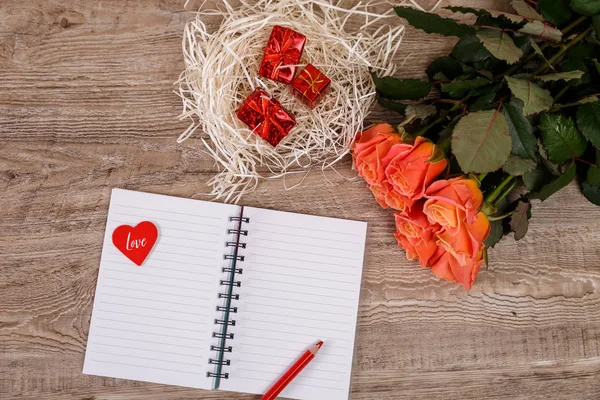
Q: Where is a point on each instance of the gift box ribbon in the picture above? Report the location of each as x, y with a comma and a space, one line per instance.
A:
311, 82
282, 52
268, 109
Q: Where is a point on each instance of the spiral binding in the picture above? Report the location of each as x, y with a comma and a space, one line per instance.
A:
229, 296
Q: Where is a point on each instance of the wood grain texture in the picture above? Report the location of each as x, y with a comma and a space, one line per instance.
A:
86, 104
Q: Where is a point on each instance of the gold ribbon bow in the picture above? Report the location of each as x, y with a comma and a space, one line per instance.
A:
312, 82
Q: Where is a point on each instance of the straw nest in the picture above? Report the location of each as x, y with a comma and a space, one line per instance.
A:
346, 44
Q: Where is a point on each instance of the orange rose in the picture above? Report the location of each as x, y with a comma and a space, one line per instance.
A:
416, 234
445, 266
386, 196
454, 205
369, 148
465, 241
450, 199
408, 169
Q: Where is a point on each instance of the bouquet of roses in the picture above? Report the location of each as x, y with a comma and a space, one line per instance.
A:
516, 111
440, 223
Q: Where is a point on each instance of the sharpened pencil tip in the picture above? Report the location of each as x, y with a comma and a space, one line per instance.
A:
315, 349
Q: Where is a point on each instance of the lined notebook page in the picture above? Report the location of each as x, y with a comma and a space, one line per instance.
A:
300, 283
154, 323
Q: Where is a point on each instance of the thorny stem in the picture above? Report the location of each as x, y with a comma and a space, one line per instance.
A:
543, 47
491, 219
493, 195
562, 51
559, 106
424, 130
439, 120
512, 69
572, 25
562, 91
505, 193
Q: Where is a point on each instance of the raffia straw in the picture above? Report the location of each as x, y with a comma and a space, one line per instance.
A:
222, 70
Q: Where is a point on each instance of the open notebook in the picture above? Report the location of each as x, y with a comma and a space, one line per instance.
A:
228, 298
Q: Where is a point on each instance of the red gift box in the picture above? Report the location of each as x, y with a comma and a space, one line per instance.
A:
266, 117
283, 52
310, 85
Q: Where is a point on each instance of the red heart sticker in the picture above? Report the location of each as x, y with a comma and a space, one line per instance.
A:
135, 243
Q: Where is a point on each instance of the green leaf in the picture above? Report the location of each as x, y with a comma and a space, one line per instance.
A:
420, 111
539, 29
496, 233
596, 24
517, 166
593, 175
469, 49
497, 229
432, 23
588, 121
402, 89
570, 65
500, 44
585, 100
521, 131
539, 52
596, 63
495, 19
552, 167
525, 10
534, 98
468, 10
586, 7
486, 96
481, 142
556, 11
445, 136
557, 184
535, 179
524, 43
478, 91
529, 27
560, 138
459, 88
519, 220
566, 76
449, 66
591, 192
392, 105
582, 52
501, 21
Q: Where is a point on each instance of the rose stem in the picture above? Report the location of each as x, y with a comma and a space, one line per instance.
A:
566, 30
562, 50
509, 189
493, 195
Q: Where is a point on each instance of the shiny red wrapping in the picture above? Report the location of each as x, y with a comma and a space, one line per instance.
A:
281, 55
266, 117
310, 85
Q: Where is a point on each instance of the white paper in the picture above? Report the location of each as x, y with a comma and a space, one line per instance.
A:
300, 284
154, 323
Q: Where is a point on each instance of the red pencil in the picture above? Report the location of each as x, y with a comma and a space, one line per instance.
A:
292, 372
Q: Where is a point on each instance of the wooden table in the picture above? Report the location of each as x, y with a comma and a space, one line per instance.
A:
87, 104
